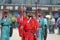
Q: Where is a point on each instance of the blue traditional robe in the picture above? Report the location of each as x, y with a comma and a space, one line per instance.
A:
5, 29
41, 31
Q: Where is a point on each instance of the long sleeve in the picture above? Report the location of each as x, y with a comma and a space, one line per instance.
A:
21, 29
37, 26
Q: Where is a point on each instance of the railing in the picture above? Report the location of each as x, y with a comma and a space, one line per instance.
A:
33, 5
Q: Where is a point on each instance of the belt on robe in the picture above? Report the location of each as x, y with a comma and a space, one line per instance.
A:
5, 25
29, 31
32, 33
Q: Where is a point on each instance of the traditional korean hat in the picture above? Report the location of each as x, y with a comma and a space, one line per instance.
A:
39, 10
29, 9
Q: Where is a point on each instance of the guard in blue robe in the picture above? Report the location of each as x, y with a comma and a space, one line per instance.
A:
41, 29
5, 29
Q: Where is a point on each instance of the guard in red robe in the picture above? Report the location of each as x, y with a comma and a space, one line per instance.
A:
29, 26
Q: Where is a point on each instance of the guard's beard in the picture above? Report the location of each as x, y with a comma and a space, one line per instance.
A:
39, 16
5, 16
29, 17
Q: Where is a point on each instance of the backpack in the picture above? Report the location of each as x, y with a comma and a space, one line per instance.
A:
58, 25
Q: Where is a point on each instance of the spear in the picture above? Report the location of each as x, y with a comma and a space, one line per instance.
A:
36, 9
22, 6
20, 27
22, 12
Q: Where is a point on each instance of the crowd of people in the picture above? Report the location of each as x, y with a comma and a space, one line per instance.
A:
53, 24
29, 27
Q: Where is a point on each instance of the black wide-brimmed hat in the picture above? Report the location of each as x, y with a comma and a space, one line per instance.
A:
29, 9
39, 10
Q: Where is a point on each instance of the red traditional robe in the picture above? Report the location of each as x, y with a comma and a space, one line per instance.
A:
27, 28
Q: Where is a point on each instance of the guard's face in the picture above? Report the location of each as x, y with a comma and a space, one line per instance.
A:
29, 14
39, 14
5, 15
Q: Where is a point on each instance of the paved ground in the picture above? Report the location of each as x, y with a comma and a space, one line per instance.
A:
53, 36
15, 36
49, 37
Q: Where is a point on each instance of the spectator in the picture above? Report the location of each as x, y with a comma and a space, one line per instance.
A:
58, 24
52, 24
49, 24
